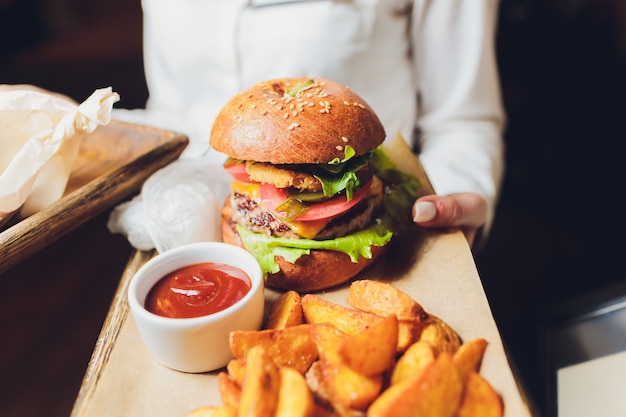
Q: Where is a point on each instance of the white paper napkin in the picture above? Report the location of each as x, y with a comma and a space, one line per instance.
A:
40, 136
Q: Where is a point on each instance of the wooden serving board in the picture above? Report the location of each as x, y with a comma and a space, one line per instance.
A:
434, 266
112, 164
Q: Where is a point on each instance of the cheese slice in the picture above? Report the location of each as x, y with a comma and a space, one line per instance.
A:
250, 189
308, 229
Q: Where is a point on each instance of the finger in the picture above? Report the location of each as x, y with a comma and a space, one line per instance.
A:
463, 209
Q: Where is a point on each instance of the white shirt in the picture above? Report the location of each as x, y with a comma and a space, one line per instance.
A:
426, 64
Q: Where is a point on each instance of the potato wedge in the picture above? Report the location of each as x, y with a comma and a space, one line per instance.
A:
230, 391
294, 397
236, 369
469, 356
213, 411
409, 332
349, 389
480, 399
315, 380
436, 392
381, 298
346, 388
292, 346
348, 320
328, 338
373, 350
285, 312
441, 336
413, 362
261, 384
321, 411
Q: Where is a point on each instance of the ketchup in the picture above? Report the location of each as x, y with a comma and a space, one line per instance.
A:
198, 290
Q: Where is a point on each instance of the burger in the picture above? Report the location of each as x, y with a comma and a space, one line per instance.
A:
307, 197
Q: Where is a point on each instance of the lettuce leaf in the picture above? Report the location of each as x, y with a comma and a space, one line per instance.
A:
401, 190
264, 248
339, 175
332, 186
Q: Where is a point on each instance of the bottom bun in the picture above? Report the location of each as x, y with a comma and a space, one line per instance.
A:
320, 269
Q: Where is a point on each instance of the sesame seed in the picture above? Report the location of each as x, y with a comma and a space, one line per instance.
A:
346, 102
326, 106
253, 106
286, 115
339, 147
291, 106
294, 113
345, 139
293, 126
264, 112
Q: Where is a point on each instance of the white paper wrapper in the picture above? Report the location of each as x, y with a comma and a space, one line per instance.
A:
40, 136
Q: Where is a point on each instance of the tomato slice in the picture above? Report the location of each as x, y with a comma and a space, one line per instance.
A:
272, 197
237, 170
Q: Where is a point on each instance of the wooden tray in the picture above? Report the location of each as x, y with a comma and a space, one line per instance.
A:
112, 164
435, 267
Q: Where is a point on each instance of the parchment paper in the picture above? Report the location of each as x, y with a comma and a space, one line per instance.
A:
436, 267
39, 139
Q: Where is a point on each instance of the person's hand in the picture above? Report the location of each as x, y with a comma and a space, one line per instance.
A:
468, 211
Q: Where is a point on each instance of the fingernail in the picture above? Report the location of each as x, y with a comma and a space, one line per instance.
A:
424, 211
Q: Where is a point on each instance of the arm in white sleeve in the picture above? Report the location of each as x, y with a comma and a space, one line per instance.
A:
460, 115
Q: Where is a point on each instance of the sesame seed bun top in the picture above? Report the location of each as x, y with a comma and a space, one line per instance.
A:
296, 121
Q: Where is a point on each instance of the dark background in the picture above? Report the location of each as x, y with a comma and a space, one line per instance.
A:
558, 235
